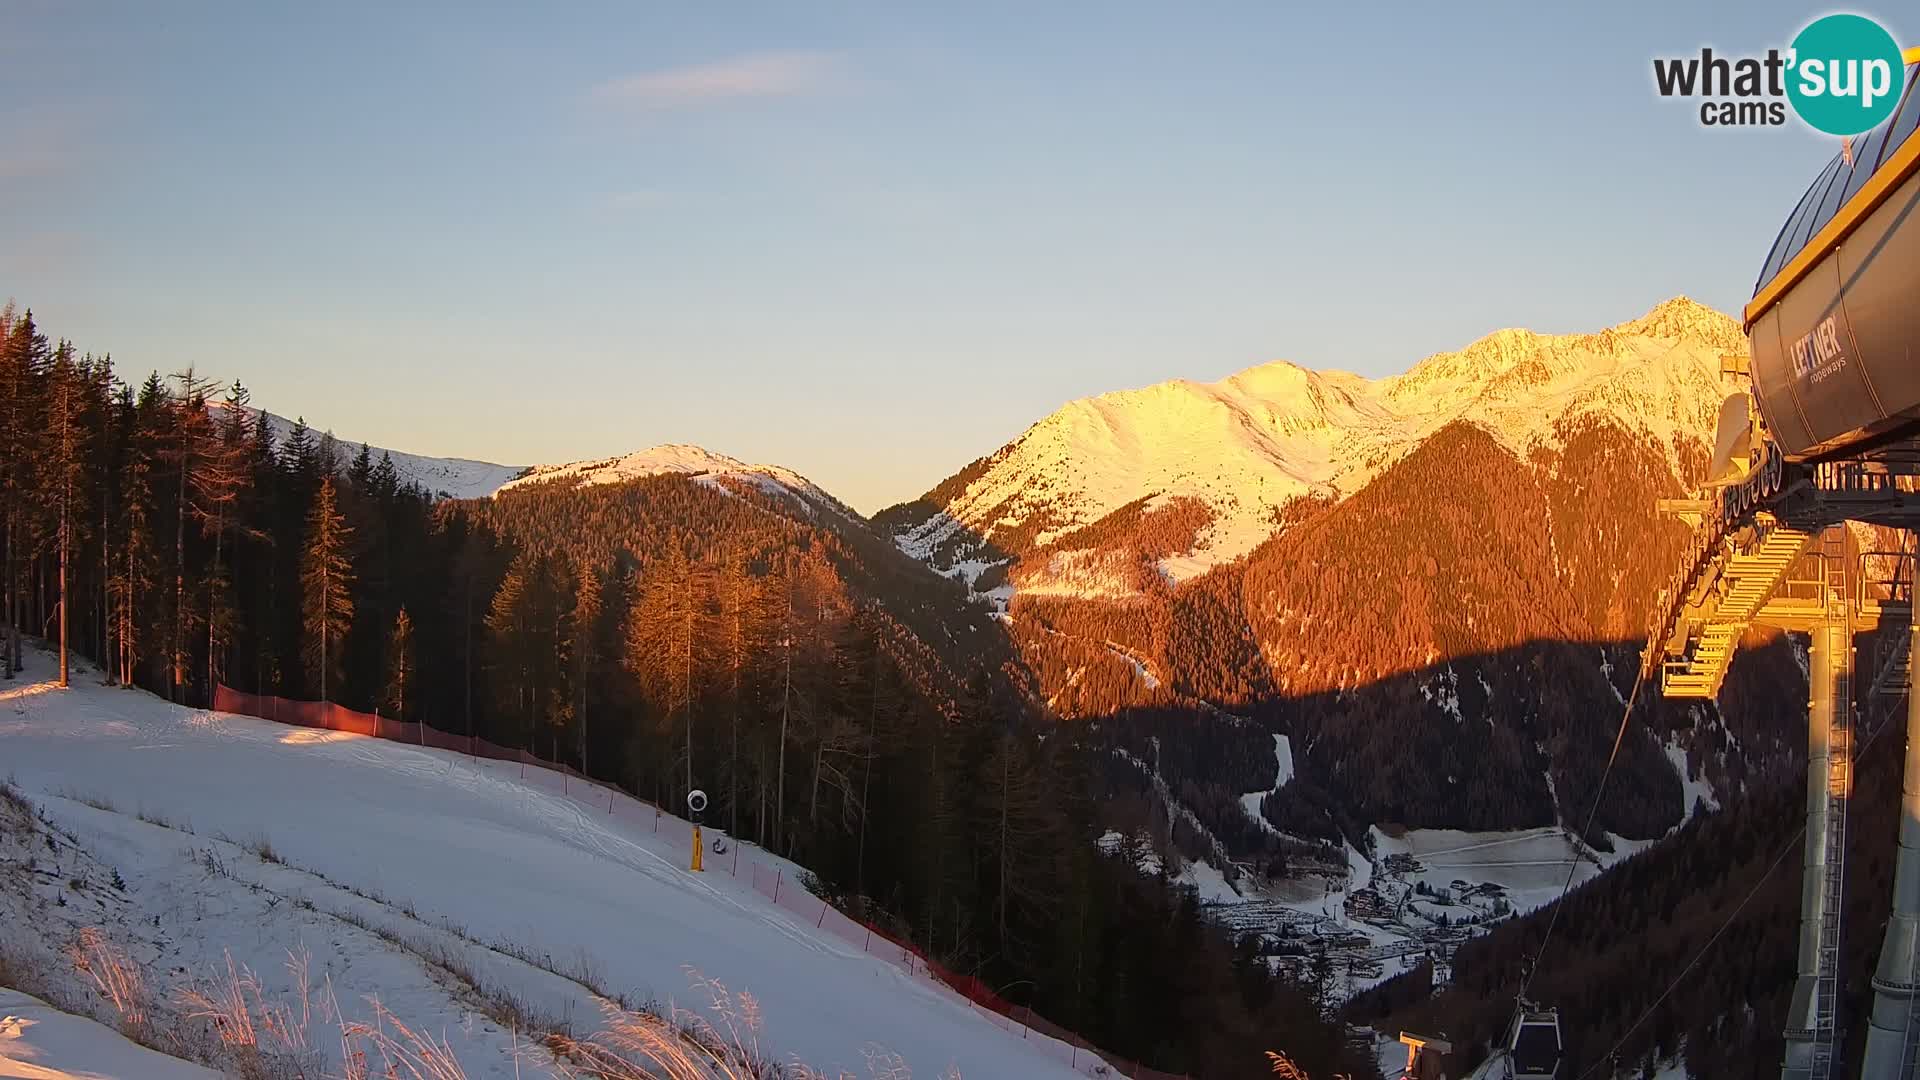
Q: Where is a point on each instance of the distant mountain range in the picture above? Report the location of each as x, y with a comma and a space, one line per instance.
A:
1238, 451
1430, 582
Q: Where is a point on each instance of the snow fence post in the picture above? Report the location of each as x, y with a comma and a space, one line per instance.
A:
822, 920
776, 884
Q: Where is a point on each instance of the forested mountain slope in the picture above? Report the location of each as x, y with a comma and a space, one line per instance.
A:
846, 706
1629, 937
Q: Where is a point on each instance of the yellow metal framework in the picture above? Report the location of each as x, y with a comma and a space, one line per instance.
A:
1724, 602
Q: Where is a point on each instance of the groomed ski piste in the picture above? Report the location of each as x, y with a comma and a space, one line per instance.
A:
368, 870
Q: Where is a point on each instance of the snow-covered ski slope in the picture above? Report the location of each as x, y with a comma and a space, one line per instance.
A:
457, 843
39, 1042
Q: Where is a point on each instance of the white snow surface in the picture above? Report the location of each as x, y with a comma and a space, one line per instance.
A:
686, 460
1695, 790
1283, 772
1530, 864
39, 1042
445, 477
433, 841
1248, 443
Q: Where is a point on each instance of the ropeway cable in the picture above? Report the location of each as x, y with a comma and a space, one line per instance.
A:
1573, 864
1879, 726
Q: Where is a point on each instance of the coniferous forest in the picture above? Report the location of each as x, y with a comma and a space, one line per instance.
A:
841, 705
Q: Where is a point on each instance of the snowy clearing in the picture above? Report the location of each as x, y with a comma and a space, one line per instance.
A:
248, 838
1529, 864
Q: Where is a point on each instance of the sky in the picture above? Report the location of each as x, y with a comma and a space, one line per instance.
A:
868, 241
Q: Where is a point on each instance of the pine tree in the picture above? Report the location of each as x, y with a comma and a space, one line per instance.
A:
749, 617
144, 419
326, 585
399, 667
583, 651
666, 644
189, 451
69, 438
510, 622
225, 474
24, 356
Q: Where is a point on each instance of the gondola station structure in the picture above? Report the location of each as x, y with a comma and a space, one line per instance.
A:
1824, 431
1820, 433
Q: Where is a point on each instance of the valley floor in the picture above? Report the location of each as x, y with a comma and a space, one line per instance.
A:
368, 881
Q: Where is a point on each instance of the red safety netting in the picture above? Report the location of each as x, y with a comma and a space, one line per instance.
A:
772, 880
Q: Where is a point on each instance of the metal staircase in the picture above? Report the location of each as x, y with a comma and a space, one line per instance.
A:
1895, 672
1725, 605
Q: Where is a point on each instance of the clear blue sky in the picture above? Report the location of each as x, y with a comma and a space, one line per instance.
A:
869, 241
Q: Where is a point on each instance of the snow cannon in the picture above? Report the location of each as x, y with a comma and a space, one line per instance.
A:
696, 806
1832, 322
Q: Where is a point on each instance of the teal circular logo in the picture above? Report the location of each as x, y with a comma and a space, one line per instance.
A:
1845, 75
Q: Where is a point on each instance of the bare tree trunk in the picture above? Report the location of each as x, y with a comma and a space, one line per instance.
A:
66, 508
1006, 780
866, 779
106, 592
686, 601
326, 617
213, 585
178, 661
6, 604
733, 751
127, 605
786, 697
469, 659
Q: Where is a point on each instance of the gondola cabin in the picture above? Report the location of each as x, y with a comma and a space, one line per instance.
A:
1533, 1044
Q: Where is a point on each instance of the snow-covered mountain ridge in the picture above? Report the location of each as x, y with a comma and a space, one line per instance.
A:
1246, 445
683, 459
448, 478
464, 478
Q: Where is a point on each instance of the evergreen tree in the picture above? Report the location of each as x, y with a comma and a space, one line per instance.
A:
666, 647
220, 483
583, 652
190, 453
399, 667
326, 580
69, 438
24, 357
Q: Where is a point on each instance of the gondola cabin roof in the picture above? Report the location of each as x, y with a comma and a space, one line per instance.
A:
1852, 186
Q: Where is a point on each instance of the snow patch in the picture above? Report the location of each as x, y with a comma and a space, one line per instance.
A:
1693, 791
39, 1042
